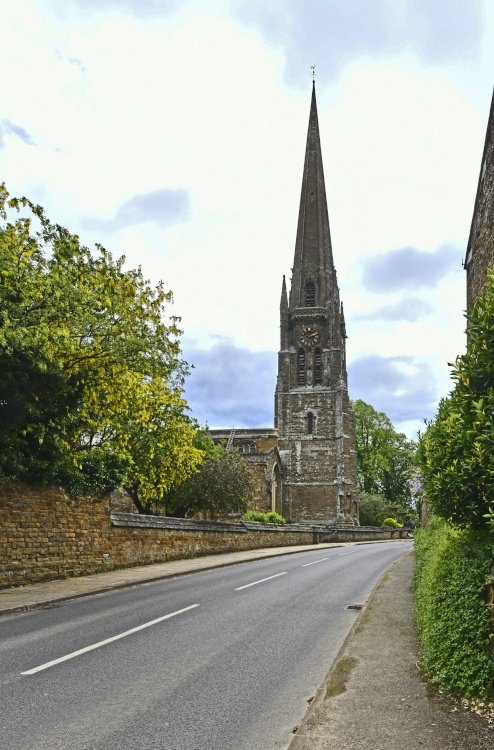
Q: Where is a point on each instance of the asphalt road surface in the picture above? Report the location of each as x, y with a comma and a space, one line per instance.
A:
220, 660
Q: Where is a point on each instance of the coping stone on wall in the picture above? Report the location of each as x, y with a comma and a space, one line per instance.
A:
176, 524
132, 520
258, 526
141, 521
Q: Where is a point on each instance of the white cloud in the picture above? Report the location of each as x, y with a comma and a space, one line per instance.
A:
334, 32
161, 207
408, 268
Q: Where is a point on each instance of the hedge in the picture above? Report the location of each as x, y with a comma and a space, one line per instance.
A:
455, 621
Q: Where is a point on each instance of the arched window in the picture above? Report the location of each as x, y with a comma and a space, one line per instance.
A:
317, 367
310, 294
310, 423
301, 367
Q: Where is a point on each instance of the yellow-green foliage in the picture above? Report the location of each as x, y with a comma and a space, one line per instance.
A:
91, 377
271, 517
392, 523
453, 570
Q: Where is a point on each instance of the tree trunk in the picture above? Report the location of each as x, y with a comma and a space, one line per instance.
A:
134, 494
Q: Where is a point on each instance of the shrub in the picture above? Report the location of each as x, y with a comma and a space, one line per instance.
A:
453, 570
271, 517
392, 523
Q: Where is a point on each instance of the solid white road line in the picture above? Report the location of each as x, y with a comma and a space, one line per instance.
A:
315, 561
254, 583
107, 640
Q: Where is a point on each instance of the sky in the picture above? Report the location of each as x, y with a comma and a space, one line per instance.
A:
173, 132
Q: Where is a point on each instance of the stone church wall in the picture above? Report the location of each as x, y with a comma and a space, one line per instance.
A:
260, 499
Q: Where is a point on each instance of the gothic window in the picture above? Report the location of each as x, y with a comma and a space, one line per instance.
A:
317, 367
310, 294
301, 367
310, 423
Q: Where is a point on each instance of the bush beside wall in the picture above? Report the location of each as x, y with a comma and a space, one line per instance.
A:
454, 575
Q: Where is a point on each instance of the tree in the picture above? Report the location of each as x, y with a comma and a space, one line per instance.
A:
373, 509
456, 452
92, 379
221, 485
385, 462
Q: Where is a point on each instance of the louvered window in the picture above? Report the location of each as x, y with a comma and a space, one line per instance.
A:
317, 367
310, 294
301, 367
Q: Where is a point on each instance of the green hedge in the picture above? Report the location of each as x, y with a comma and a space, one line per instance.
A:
271, 517
453, 570
392, 523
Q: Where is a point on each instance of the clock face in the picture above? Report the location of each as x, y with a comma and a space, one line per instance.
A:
309, 337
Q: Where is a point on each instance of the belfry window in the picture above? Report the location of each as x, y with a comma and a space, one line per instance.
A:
317, 367
301, 367
310, 294
310, 423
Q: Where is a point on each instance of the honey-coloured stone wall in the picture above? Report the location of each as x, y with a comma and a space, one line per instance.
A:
45, 534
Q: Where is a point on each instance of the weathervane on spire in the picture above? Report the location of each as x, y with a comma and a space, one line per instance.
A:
313, 68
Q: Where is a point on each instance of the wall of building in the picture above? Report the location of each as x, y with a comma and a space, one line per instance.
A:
47, 535
480, 252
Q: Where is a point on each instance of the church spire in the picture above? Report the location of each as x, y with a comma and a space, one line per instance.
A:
313, 263
313, 414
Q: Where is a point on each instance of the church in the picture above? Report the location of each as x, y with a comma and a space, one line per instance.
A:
305, 467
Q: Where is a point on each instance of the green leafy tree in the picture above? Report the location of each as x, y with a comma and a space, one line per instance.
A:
385, 464
373, 509
221, 485
456, 452
91, 376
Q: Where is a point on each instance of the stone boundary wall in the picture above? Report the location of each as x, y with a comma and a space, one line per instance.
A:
44, 534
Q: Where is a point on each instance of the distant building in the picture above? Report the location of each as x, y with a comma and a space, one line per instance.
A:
306, 467
480, 250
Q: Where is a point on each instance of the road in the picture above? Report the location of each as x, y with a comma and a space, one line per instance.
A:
220, 660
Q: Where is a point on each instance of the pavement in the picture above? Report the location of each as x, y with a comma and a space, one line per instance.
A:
373, 697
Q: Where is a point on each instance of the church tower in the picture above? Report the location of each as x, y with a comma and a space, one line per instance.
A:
313, 415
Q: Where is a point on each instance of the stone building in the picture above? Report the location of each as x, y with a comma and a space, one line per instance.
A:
306, 467
480, 250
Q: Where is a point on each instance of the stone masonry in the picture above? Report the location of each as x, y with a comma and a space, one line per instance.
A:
480, 250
